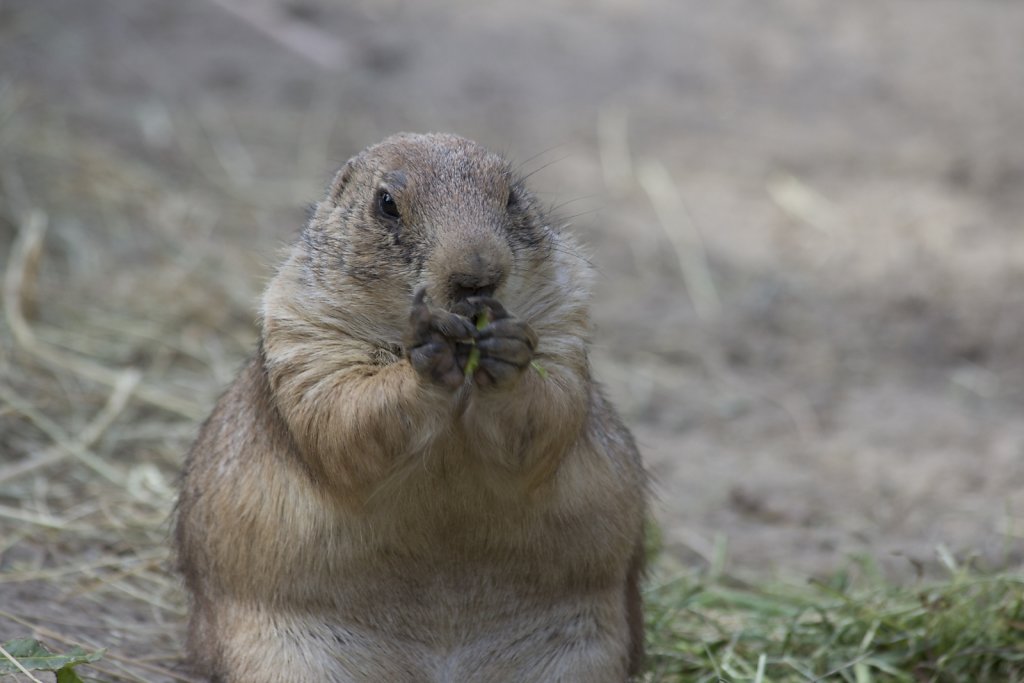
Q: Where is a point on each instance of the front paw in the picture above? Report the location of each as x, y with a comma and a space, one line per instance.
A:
433, 343
505, 344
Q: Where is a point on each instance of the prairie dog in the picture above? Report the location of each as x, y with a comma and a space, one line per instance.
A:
365, 503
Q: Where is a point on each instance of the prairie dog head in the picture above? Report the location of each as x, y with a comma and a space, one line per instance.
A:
431, 211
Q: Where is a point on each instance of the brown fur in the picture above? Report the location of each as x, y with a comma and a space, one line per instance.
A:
355, 510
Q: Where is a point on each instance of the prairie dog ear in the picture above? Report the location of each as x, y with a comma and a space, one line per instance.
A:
341, 179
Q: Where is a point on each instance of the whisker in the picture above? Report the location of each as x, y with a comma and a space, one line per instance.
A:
526, 177
519, 166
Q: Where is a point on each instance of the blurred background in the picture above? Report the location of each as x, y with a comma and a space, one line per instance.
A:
805, 217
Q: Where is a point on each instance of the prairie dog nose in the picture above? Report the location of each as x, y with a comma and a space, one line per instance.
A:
464, 285
473, 271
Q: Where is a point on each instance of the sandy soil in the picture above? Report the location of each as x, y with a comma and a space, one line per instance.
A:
806, 218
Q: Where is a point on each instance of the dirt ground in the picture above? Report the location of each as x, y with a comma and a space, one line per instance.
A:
805, 215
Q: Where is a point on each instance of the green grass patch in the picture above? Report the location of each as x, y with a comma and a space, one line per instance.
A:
967, 628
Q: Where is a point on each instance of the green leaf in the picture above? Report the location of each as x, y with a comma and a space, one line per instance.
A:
67, 675
32, 655
541, 370
473, 362
483, 319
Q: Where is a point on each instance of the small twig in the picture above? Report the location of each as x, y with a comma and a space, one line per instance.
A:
115, 405
141, 560
132, 592
79, 447
684, 235
48, 521
61, 438
762, 660
45, 458
801, 203
25, 250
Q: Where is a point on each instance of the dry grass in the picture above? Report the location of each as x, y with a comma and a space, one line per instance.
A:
103, 376
125, 311
110, 352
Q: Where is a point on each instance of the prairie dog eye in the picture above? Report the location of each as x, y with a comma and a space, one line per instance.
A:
386, 204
